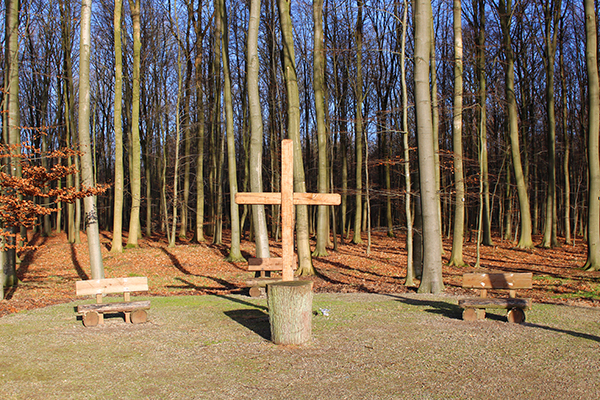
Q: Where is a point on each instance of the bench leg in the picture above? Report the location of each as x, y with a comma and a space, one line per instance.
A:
516, 315
473, 314
127, 317
139, 316
91, 318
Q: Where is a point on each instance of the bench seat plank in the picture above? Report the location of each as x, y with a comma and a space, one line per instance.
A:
485, 302
127, 306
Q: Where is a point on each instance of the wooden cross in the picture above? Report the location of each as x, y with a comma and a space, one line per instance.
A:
288, 199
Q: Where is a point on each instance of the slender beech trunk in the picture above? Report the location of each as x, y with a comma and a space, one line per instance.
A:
136, 159
305, 266
14, 124
552, 12
87, 176
591, 49
117, 241
431, 281
566, 139
200, 134
479, 6
459, 184
235, 253
259, 219
358, 139
319, 88
410, 270
505, 10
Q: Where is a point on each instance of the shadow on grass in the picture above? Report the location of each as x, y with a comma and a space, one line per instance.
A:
435, 307
565, 331
256, 318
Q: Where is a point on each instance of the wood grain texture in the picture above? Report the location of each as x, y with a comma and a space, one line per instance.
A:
113, 285
512, 281
290, 312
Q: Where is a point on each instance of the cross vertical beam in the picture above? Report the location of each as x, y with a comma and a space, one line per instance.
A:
287, 209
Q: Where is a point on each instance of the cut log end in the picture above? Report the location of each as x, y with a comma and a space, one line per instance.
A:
256, 291
91, 318
139, 316
516, 316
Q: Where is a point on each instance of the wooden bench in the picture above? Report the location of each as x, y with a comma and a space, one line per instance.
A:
474, 308
93, 314
263, 265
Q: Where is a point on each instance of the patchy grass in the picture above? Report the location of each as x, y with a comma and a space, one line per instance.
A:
370, 346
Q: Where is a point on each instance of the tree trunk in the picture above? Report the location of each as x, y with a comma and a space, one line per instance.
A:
290, 312
136, 159
91, 215
431, 281
410, 269
305, 266
525, 239
479, 6
456, 258
552, 11
259, 221
358, 139
319, 88
591, 49
235, 253
198, 64
117, 241
567, 140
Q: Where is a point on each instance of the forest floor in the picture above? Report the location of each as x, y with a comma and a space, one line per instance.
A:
47, 274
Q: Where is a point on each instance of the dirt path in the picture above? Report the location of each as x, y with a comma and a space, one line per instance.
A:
370, 346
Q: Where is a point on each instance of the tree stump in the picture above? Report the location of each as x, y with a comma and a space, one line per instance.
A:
290, 311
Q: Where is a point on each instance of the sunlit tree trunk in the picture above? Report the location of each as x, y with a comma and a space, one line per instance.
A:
235, 253
319, 88
117, 241
479, 10
358, 139
305, 266
431, 281
410, 270
591, 51
200, 133
87, 177
459, 198
136, 167
552, 12
525, 240
261, 236
567, 140
14, 123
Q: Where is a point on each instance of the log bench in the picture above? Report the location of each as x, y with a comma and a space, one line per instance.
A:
264, 265
93, 314
474, 308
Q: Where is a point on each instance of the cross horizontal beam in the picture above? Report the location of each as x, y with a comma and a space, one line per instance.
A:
325, 199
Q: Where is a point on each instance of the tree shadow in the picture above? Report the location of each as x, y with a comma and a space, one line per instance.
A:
448, 310
256, 318
565, 331
80, 272
175, 261
226, 286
